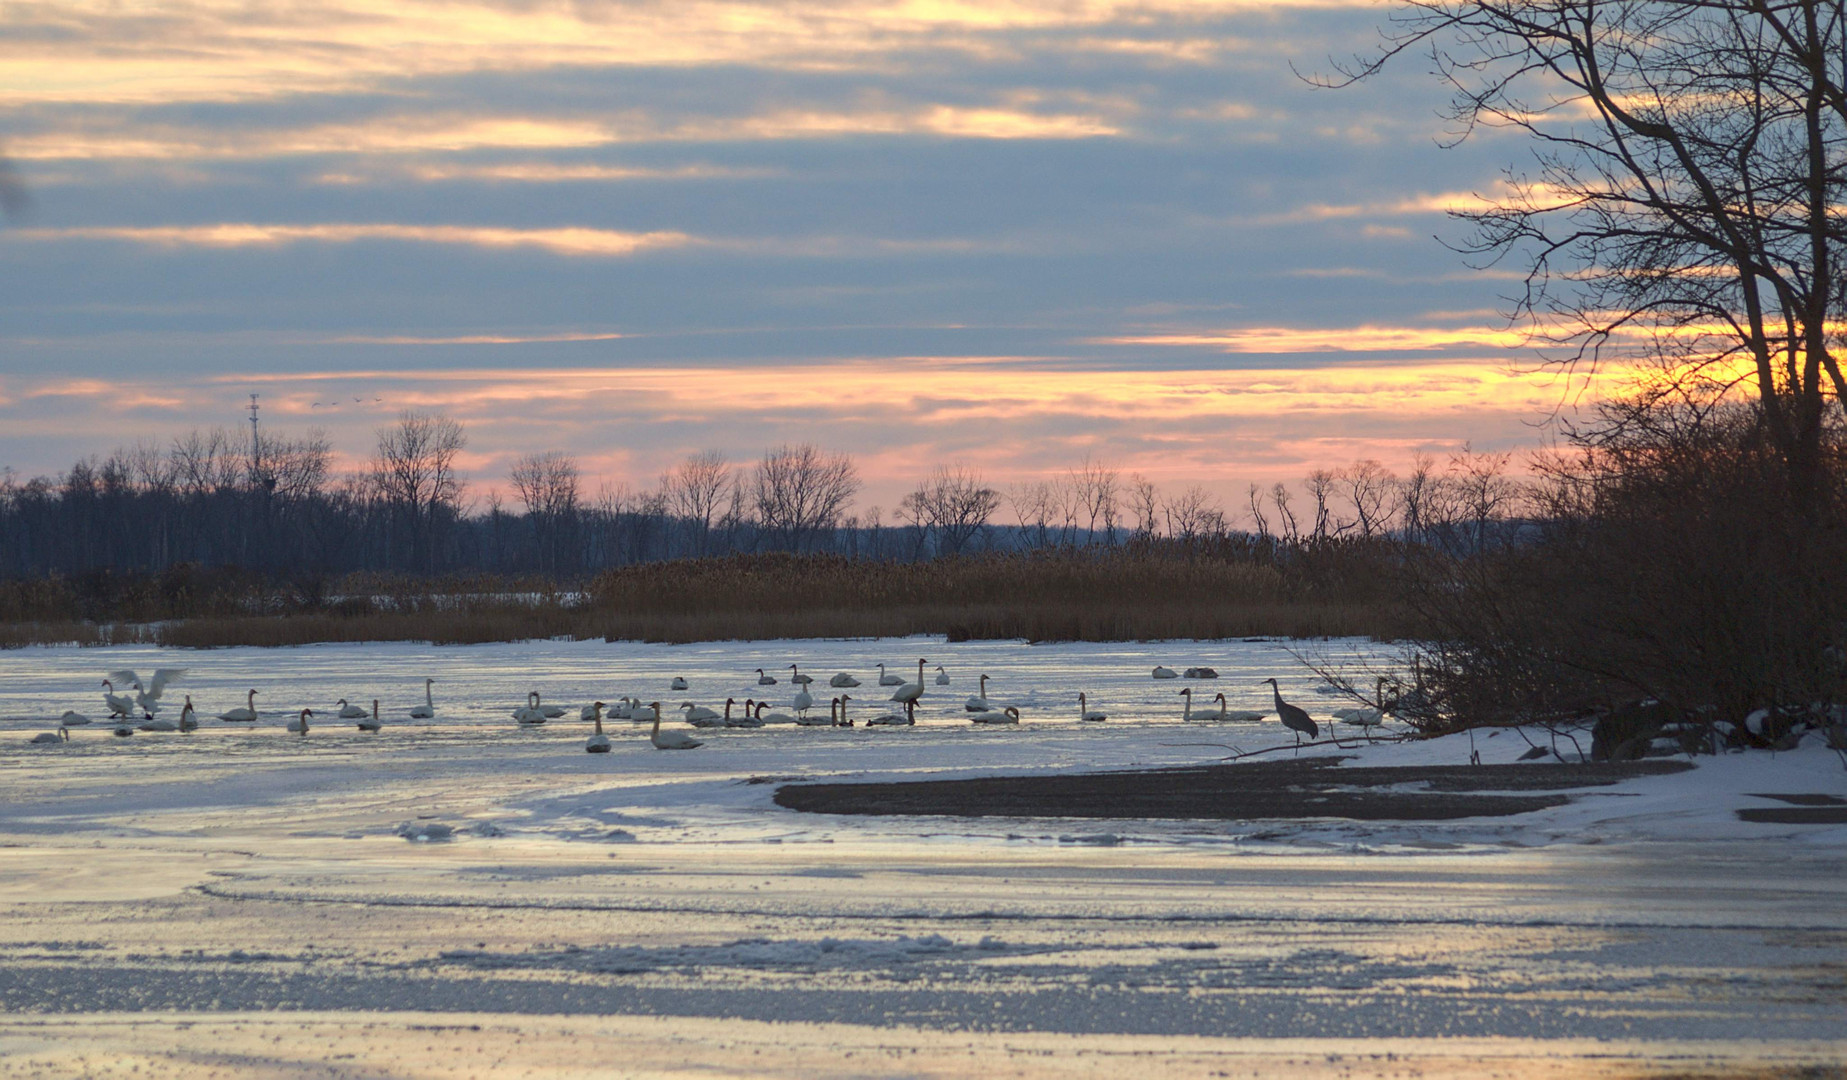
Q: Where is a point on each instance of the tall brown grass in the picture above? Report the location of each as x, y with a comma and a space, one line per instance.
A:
1071, 596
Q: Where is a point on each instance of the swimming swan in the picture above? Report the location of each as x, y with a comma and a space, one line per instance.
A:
979, 702
428, 709
1085, 712
670, 740
243, 715
1008, 715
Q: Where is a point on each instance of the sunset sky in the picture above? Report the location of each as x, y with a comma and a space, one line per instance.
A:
1001, 234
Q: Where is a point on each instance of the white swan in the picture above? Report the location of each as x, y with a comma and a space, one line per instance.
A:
159, 725
910, 691
122, 730
798, 677
73, 718
118, 705
299, 725
942, 677
242, 715
1085, 712
427, 710
803, 700
839, 710
775, 717
530, 713
644, 713
371, 723
1166, 673
678, 683
700, 716
765, 680
147, 695
551, 712
189, 718
63, 734
1008, 715
669, 740
1201, 673
888, 679
350, 712
842, 681
979, 702
833, 716
748, 718
1189, 714
893, 719
599, 742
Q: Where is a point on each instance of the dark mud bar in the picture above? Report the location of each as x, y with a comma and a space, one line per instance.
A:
1319, 788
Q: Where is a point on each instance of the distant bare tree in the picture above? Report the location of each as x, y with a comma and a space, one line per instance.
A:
1094, 489
954, 504
1255, 497
1192, 514
1320, 485
1034, 507
1414, 497
696, 490
547, 484
208, 462
1369, 488
1145, 503
299, 468
1291, 530
801, 492
414, 472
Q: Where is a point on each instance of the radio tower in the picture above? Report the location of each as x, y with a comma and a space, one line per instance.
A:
256, 441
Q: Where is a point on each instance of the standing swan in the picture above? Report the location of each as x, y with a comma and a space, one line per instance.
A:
371, 723
599, 742
670, 740
426, 710
979, 702
1085, 712
910, 691
299, 725
243, 715
1293, 718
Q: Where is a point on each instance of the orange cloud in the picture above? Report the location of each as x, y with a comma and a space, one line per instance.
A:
560, 241
1292, 339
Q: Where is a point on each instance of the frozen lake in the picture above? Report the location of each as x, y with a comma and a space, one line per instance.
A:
243, 895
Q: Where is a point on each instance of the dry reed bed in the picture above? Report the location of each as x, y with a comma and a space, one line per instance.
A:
1071, 597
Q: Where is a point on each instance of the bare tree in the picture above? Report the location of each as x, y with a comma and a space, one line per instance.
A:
1145, 503
1034, 507
1094, 489
1285, 515
801, 492
414, 473
1685, 203
547, 485
1369, 489
1255, 497
1192, 514
954, 505
1320, 485
696, 489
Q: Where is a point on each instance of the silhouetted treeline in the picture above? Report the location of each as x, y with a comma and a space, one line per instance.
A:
273, 505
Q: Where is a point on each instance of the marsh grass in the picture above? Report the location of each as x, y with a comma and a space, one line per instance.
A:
1070, 596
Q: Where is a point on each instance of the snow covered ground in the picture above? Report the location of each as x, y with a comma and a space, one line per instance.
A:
236, 894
